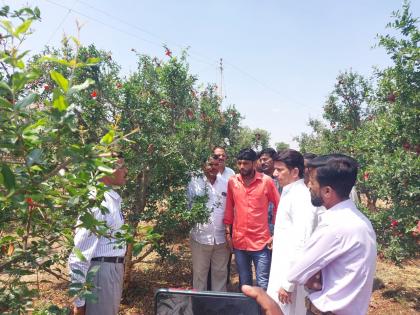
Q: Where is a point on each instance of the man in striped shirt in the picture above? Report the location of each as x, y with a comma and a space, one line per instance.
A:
101, 252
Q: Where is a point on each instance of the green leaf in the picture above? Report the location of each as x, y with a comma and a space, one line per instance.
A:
8, 26
79, 254
28, 100
137, 248
80, 87
56, 60
5, 86
75, 40
22, 28
8, 177
106, 169
93, 60
59, 101
78, 272
4, 102
107, 139
92, 272
60, 80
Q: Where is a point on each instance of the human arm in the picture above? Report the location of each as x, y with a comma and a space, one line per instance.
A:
230, 204
322, 248
268, 305
274, 198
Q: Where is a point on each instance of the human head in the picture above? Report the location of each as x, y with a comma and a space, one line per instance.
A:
211, 166
331, 178
118, 177
220, 152
288, 166
246, 161
307, 157
266, 161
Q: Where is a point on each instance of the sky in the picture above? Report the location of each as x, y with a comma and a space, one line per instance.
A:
280, 57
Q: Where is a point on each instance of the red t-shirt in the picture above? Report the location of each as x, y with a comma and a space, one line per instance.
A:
247, 209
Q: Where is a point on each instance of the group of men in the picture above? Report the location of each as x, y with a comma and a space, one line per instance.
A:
290, 216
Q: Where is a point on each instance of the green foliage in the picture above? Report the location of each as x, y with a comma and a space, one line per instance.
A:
379, 125
47, 171
280, 146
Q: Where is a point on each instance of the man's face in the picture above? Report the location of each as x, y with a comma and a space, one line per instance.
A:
245, 167
211, 167
222, 156
283, 174
267, 164
118, 178
315, 189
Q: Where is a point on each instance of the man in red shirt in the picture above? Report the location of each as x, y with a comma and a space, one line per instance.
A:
246, 216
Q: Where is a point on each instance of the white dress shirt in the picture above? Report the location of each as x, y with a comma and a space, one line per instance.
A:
212, 232
295, 221
90, 245
343, 247
227, 173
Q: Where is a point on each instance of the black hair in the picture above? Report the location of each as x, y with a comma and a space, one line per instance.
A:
292, 159
336, 170
269, 151
247, 154
309, 156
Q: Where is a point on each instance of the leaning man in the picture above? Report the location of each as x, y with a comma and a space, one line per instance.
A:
103, 252
208, 241
343, 246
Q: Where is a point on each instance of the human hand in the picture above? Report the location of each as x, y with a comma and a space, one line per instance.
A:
79, 310
285, 297
270, 243
314, 282
268, 305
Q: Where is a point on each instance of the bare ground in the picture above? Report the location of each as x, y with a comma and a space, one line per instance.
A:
396, 289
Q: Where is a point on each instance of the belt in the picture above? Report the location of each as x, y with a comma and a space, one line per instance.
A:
313, 309
115, 260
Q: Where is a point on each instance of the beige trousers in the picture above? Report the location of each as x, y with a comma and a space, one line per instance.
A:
204, 256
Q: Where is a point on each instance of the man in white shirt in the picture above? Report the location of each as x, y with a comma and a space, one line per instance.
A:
296, 220
102, 252
224, 171
208, 241
343, 247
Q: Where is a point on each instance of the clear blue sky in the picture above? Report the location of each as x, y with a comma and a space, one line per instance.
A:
281, 57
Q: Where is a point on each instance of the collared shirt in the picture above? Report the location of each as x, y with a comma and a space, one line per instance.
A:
212, 232
296, 220
227, 173
247, 210
343, 246
90, 245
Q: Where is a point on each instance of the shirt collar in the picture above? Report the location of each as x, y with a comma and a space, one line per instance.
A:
348, 203
289, 186
258, 176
